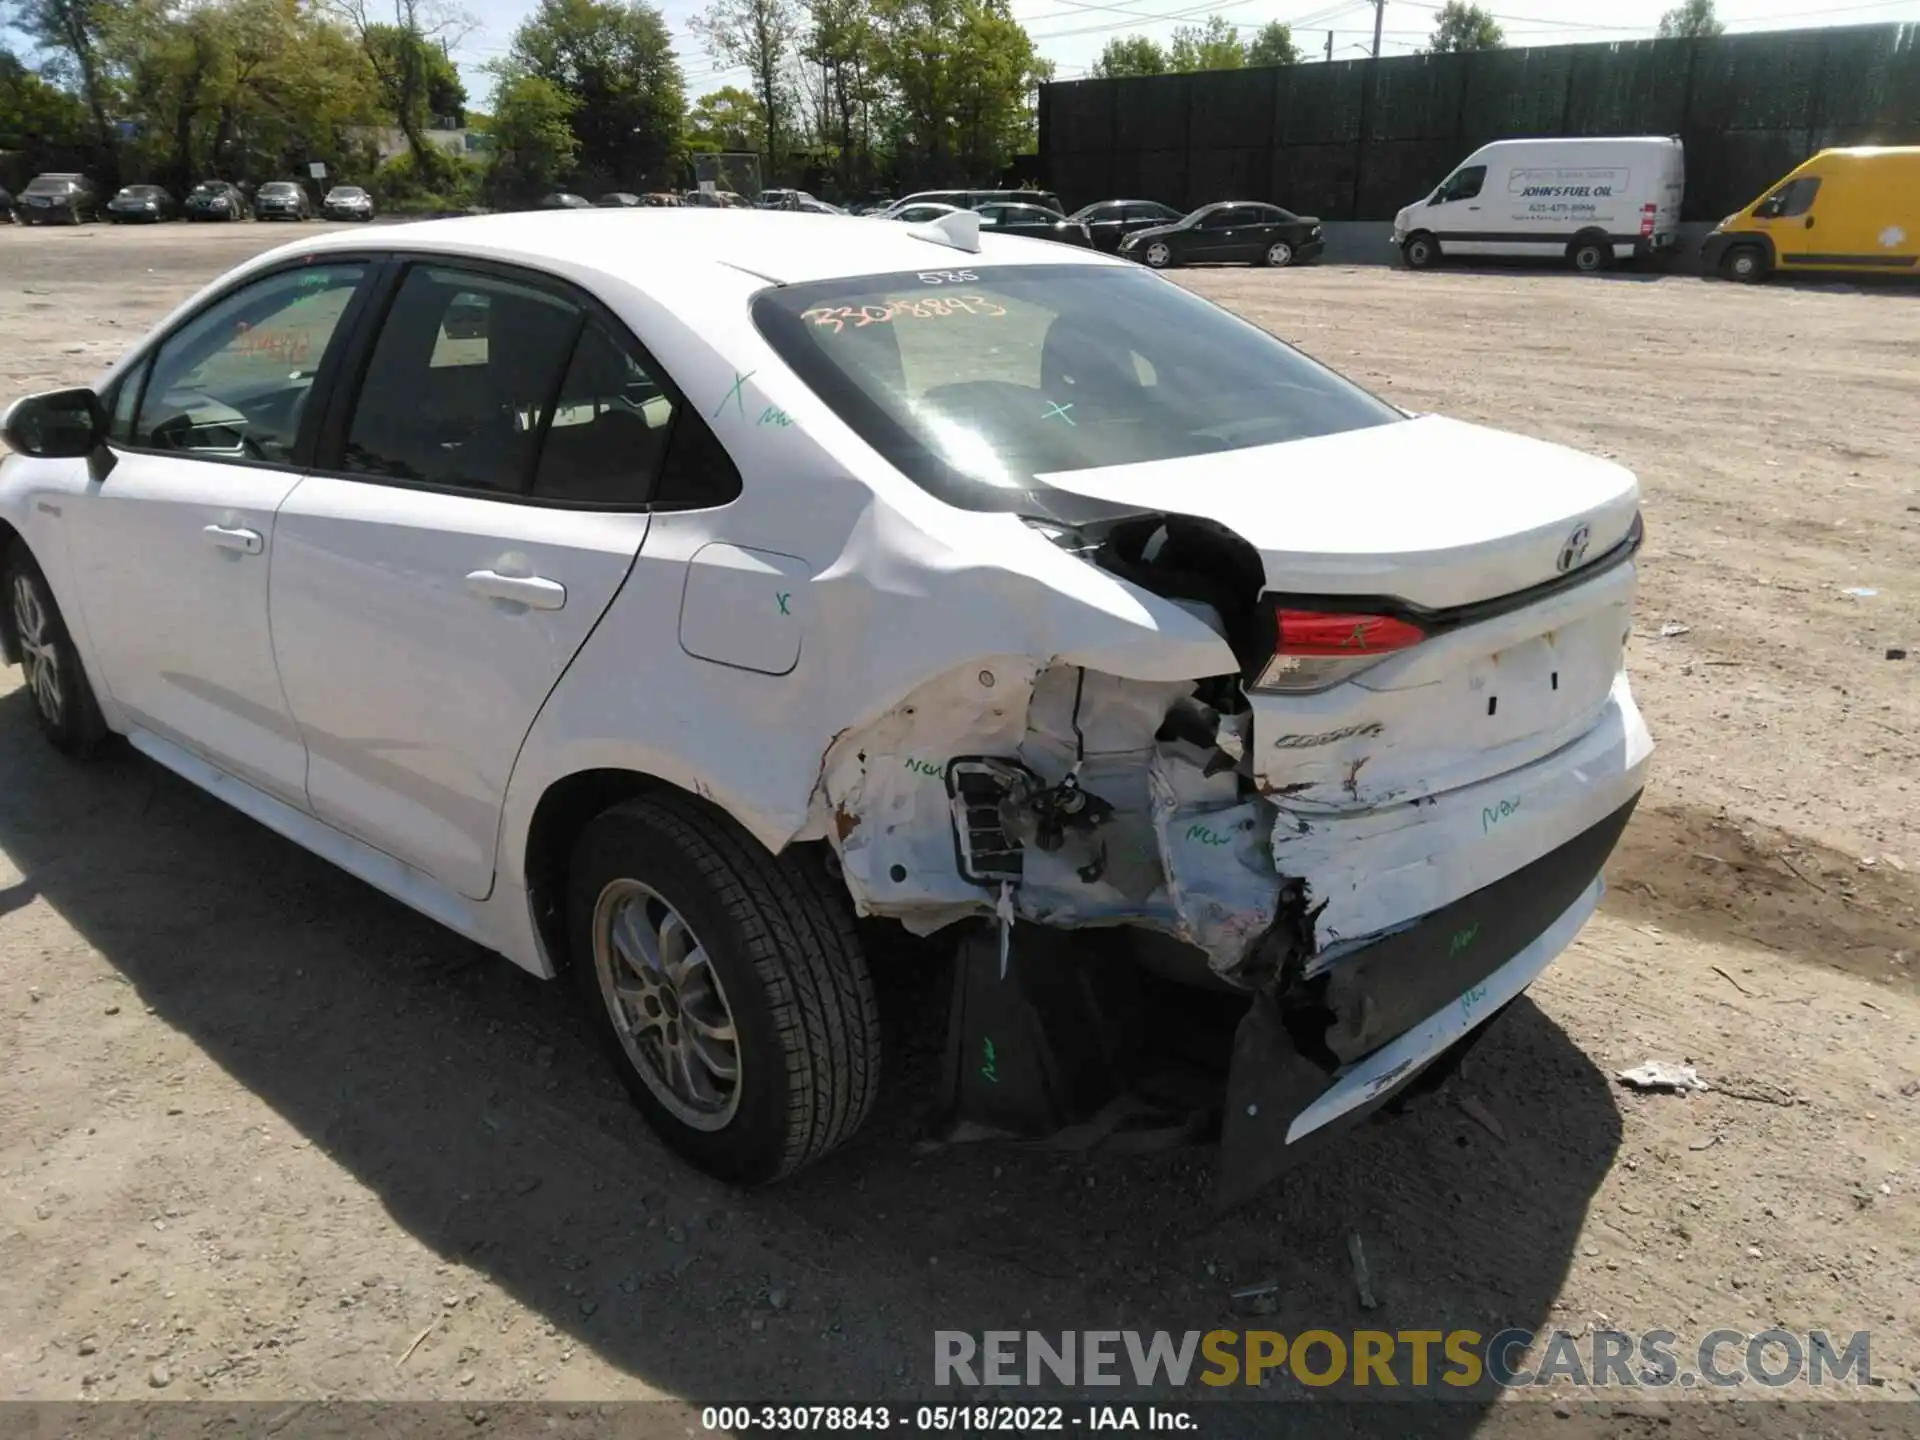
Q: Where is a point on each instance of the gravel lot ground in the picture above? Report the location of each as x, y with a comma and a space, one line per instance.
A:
266, 1135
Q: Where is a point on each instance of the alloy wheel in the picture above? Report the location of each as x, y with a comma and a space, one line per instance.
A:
1158, 254
39, 651
667, 1005
1280, 253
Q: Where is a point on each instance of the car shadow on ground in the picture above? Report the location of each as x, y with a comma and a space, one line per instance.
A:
467, 1098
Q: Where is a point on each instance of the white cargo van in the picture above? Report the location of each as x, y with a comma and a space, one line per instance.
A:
1588, 201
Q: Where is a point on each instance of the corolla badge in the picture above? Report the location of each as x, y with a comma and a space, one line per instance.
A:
1575, 550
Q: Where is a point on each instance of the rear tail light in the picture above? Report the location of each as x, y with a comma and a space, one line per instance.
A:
1315, 650
1646, 220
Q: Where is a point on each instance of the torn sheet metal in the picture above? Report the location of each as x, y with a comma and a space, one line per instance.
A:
1061, 770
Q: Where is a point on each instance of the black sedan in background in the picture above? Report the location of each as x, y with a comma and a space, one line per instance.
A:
1111, 221
1240, 231
217, 200
282, 200
618, 200
139, 204
53, 198
564, 200
1035, 220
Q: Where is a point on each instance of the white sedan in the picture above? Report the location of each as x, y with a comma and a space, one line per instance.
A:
648, 595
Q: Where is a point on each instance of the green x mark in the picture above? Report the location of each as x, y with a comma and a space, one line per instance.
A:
782, 596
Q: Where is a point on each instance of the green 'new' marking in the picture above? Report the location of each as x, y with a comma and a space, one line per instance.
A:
1207, 836
922, 767
987, 1071
1462, 939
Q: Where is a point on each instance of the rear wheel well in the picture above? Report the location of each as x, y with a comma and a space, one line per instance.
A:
9, 642
566, 809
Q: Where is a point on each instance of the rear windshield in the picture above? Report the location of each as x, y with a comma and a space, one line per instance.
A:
279, 187
347, 192
975, 383
49, 185
210, 187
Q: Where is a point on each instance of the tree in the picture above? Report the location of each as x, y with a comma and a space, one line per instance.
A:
34, 113
1691, 20
759, 36
958, 80
1461, 27
1215, 47
534, 144
410, 66
727, 119
1131, 55
837, 48
1273, 45
78, 34
615, 61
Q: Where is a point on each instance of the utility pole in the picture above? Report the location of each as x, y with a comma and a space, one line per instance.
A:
1379, 14
1329, 47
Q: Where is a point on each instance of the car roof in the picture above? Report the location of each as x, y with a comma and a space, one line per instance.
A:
644, 247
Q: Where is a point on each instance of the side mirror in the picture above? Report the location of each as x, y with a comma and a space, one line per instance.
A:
56, 425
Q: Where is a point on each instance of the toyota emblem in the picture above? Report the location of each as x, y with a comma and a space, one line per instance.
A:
1575, 550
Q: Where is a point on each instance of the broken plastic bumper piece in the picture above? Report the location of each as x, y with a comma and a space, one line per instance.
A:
1317, 1055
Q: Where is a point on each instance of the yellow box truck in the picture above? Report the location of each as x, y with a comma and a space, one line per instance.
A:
1855, 210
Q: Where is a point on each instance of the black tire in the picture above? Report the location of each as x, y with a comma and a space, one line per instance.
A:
779, 938
1278, 255
1745, 264
1421, 251
1592, 255
64, 706
1157, 255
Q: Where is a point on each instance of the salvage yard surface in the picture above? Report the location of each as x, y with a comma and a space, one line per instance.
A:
265, 1134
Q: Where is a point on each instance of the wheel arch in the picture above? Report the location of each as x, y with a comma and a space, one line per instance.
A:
1753, 240
565, 808
9, 641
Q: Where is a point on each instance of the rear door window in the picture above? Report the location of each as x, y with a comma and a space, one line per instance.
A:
461, 381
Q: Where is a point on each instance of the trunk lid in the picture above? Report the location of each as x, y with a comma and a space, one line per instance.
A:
1478, 537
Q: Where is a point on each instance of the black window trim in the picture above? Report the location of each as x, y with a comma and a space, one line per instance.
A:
331, 438
140, 369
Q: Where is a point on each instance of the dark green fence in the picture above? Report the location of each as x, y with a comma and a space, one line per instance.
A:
1356, 140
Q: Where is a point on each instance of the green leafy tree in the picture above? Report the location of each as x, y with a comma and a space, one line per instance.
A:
615, 61
1214, 46
1691, 20
727, 119
959, 78
34, 114
1131, 55
761, 37
836, 54
79, 37
1273, 45
1461, 27
411, 69
535, 146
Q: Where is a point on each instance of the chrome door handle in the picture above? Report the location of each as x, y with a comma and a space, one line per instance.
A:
230, 537
536, 592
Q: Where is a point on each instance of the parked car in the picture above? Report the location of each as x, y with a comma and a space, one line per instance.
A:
782, 199
282, 200
920, 212
143, 204
974, 199
811, 206
6, 206
768, 574
1035, 221
1232, 231
55, 198
347, 202
717, 200
1590, 201
1111, 221
1846, 211
618, 200
563, 200
217, 200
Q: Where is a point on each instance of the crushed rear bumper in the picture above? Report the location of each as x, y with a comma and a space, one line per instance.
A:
1321, 1053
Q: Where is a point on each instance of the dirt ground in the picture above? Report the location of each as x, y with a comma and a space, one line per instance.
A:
266, 1135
